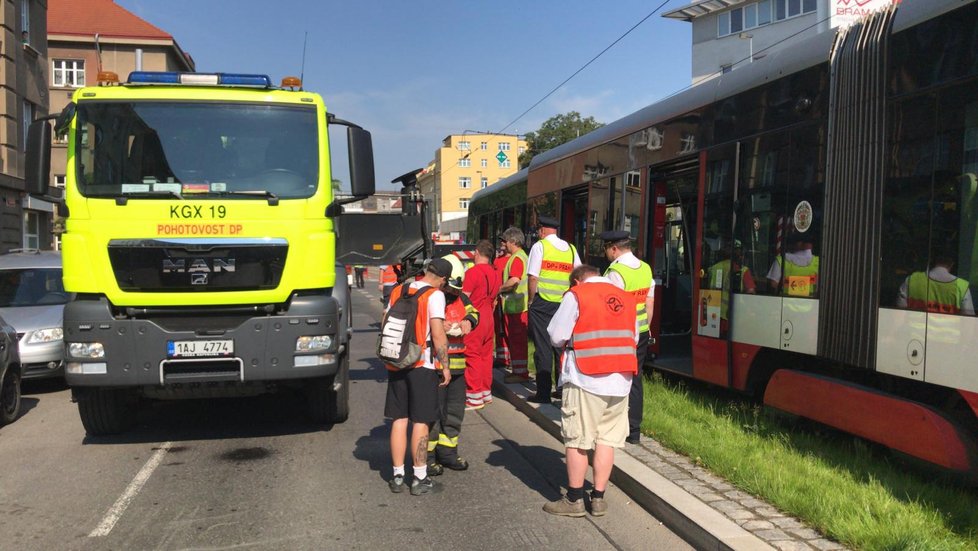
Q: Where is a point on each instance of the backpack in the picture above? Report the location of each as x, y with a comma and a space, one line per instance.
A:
397, 343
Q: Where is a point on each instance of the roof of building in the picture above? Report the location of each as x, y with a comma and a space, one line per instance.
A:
700, 8
103, 17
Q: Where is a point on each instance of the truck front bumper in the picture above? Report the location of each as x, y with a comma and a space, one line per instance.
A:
144, 349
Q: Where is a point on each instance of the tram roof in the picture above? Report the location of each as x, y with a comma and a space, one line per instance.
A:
805, 53
506, 182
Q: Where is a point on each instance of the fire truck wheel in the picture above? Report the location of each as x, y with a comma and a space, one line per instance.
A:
324, 402
106, 410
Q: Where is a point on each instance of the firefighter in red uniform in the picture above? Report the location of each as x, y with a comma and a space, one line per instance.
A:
460, 318
481, 285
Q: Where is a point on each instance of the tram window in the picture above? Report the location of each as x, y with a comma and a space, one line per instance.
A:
942, 49
716, 245
761, 207
907, 197
599, 213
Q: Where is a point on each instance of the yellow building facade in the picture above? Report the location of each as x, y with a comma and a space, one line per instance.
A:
464, 164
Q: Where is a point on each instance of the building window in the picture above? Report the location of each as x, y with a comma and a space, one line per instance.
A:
59, 180
464, 145
465, 162
483, 145
32, 230
25, 21
484, 182
463, 203
504, 146
464, 182
69, 72
521, 149
758, 14
484, 163
28, 118
504, 164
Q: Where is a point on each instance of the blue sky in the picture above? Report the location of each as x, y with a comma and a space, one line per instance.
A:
415, 72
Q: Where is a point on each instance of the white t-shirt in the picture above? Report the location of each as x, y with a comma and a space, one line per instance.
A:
561, 329
630, 260
535, 259
942, 275
436, 310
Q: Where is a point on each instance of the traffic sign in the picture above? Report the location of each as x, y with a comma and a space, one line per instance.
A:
501, 157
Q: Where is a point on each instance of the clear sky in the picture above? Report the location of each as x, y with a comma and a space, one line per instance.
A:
414, 72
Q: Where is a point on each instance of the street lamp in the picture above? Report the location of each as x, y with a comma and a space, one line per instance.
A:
750, 39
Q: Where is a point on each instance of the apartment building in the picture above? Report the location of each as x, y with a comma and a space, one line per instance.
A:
728, 34
464, 164
88, 36
24, 220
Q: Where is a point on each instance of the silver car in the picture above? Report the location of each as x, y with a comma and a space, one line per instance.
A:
32, 299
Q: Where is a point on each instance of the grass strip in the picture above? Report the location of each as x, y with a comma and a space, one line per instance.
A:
850, 490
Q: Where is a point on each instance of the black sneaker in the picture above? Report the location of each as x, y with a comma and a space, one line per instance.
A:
422, 486
539, 399
397, 483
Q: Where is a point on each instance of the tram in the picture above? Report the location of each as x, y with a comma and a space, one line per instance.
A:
785, 208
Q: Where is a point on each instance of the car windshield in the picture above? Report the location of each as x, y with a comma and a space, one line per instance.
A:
170, 149
31, 287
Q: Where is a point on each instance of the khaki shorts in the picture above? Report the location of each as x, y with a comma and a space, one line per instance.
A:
587, 419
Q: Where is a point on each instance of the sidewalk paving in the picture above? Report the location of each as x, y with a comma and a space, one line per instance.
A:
702, 508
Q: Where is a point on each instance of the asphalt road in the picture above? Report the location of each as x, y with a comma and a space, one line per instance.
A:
253, 473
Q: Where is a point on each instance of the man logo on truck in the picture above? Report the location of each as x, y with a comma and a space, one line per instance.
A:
198, 265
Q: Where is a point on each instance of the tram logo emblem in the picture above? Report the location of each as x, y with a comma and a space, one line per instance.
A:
614, 304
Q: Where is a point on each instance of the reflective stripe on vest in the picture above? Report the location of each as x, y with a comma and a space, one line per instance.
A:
939, 297
455, 313
604, 334
636, 283
389, 276
555, 269
799, 281
514, 302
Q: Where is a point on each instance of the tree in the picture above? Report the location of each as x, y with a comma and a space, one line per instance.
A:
557, 130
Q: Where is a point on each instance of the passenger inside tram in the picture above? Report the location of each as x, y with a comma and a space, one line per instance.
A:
937, 290
799, 277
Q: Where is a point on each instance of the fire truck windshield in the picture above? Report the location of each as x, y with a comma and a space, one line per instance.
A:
167, 149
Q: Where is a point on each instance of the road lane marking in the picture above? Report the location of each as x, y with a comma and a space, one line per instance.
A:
120, 505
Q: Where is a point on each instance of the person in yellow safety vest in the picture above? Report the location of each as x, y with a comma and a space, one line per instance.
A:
719, 277
513, 297
937, 290
548, 266
633, 276
460, 318
799, 276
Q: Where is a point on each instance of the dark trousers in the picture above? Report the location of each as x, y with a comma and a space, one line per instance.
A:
636, 397
444, 432
544, 356
359, 274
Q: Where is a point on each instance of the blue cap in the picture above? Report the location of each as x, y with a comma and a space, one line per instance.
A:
548, 222
612, 236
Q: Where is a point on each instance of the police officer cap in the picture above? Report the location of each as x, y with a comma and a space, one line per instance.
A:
614, 236
548, 222
440, 267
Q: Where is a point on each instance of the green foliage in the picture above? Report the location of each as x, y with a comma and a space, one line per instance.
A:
849, 489
557, 130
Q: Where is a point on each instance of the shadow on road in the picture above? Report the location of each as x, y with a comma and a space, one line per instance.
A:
215, 419
43, 386
367, 369
26, 405
374, 448
539, 461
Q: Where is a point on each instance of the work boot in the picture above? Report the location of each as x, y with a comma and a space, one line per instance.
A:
435, 468
537, 399
397, 483
422, 486
598, 506
557, 394
565, 507
457, 465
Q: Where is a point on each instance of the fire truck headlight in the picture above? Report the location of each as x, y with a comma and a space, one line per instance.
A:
313, 343
86, 350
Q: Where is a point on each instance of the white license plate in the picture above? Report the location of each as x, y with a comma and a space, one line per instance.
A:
200, 349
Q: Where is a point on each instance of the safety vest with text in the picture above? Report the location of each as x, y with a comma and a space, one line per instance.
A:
555, 270
799, 281
939, 297
603, 340
636, 284
514, 302
421, 327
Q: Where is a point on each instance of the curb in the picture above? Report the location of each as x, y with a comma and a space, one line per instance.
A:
694, 521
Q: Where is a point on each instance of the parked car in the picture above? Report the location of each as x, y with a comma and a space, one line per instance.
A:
10, 374
32, 300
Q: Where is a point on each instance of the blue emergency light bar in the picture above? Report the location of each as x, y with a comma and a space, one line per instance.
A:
199, 79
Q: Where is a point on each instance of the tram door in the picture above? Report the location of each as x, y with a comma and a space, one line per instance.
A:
674, 212
573, 222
